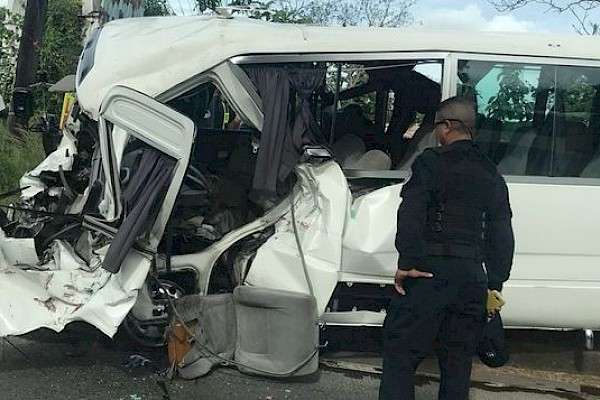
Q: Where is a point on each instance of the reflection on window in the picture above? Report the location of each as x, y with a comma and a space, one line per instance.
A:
535, 120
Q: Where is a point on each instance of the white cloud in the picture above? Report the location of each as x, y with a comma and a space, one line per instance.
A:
508, 23
469, 17
472, 18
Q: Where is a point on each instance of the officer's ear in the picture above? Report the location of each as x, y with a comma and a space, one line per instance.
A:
443, 130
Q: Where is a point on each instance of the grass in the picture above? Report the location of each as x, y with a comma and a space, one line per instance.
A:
18, 154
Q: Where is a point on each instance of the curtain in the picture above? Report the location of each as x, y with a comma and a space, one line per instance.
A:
305, 130
281, 145
141, 201
272, 84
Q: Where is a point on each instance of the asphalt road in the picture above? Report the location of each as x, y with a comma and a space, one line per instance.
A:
59, 371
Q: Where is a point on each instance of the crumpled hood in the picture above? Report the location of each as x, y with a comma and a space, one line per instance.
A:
64, 288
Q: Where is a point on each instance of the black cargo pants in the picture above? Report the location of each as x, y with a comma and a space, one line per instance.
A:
447, 310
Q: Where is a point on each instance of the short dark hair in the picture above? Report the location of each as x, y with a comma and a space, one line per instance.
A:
457, 109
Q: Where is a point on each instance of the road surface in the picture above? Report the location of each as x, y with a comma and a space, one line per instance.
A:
53, 370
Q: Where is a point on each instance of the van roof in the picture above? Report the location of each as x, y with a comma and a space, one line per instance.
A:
154, 54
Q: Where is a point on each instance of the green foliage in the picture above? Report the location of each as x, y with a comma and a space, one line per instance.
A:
579, 96
63, 41
17, 156
10, 31
511, 102
204, 5
353, 75
157, 8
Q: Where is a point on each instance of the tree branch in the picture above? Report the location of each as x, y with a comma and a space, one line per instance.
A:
578, 8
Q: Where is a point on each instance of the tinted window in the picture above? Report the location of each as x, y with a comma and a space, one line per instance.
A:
535, 120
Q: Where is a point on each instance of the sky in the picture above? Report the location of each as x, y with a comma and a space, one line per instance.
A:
472, 15
481, 15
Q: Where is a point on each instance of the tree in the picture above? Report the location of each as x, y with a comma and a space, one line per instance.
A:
28, 57
579, 96
157, 8
381, 13
10, 31
511, 102
59, 53
580, 9
284, 11
384, 13
63, 39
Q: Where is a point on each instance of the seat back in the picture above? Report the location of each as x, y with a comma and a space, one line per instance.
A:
348, 149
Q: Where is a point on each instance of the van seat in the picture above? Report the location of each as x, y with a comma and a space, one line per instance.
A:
351, 152
372, 160
514, 161
348, 148
592, 170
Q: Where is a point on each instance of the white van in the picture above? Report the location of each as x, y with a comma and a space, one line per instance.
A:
210, 153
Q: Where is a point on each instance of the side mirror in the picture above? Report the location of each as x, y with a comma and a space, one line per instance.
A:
23, 104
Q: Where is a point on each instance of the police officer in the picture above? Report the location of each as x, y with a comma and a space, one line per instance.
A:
455, 242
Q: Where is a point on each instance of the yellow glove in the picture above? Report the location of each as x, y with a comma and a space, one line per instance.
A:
494, 302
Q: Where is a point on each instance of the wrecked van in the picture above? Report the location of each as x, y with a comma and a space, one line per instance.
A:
209, 154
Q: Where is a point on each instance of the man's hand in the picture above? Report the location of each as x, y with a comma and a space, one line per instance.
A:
494, 302
402, 274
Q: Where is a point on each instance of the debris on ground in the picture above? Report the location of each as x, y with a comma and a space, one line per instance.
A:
137, 361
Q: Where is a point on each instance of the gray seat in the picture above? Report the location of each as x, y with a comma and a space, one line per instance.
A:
372, 160
351, 152
592, 170
348, 149
278, 332
515, 161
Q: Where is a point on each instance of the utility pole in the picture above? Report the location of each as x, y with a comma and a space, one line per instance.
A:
30, 44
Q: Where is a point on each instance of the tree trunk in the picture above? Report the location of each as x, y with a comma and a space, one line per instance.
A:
29, 47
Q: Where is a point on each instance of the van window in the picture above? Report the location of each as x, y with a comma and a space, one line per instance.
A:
534, 120
384, 107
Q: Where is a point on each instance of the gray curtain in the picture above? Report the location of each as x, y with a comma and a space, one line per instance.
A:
305, 130
272, 84
141, 201
280, 144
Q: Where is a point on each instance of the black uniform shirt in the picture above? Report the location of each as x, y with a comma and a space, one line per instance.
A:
417, 195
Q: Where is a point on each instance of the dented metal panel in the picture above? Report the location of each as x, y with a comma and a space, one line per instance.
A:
65, 289
64, 285
370, 233
60, 159
321, 206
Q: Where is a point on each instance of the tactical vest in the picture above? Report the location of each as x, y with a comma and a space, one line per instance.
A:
457, 215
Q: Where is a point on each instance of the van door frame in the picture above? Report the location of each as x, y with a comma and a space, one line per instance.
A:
157, 125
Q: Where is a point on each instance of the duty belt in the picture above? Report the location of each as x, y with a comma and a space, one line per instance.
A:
453, 249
